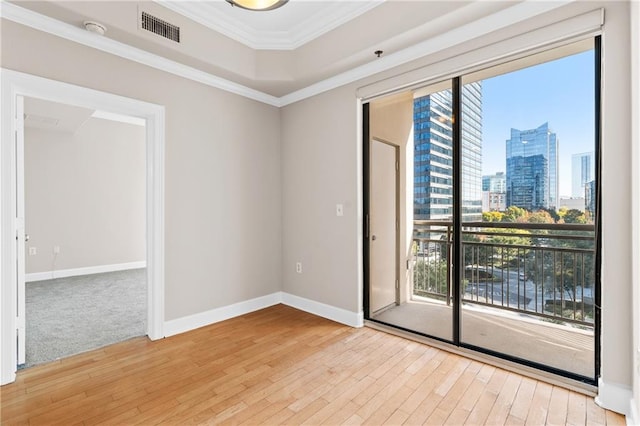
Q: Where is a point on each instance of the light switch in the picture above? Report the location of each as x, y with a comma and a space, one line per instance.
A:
339, 210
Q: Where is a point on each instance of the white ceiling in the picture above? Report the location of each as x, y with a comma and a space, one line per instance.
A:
287, 28
54, 116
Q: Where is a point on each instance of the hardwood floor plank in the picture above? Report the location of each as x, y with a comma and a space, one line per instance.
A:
500, 410
522, 401
558, 406
577, 409
482, 408
283, 366
537, 414
615, 419
595, 413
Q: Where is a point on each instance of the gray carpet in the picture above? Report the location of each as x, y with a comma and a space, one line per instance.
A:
67, 316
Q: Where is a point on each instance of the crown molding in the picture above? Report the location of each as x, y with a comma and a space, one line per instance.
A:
512, 15
477, 28
52, 26
308, 29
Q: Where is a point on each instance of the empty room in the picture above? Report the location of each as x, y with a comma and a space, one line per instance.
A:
371, 212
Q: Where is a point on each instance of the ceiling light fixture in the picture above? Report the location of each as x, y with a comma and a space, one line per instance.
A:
257, 4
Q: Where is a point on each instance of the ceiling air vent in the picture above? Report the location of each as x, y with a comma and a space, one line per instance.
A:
160, 27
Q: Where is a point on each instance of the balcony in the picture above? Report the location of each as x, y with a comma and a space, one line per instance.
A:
527, 290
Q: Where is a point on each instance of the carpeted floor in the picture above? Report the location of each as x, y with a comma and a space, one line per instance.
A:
66, 316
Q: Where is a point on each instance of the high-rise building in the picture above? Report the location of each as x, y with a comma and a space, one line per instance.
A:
590, 198
494, 192
433, 155
582, 171
532, 169
494, 183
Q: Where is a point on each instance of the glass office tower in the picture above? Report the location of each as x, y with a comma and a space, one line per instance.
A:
433, 156
532, 169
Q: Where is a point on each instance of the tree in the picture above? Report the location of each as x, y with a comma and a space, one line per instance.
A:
514, 214
492, 216
430, 278
574, 216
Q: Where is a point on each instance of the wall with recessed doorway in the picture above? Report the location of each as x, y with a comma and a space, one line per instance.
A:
85, 196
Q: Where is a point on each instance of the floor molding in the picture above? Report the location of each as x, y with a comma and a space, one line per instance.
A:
64, 273
615, 397
353, 319
202, 319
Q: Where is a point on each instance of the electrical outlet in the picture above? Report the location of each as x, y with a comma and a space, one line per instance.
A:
299, 267
56, 249
33, 251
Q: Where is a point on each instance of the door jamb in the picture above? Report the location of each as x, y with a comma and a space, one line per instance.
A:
367, 160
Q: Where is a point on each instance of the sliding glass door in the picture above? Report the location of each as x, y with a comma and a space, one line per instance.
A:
501, 254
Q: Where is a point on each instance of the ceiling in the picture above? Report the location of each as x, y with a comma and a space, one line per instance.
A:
58, 117
286, 28
276, 54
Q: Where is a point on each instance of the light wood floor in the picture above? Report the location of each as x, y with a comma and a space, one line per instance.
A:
283, 366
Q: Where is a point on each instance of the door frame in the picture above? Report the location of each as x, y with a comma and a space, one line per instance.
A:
396, 267
15, 85
367, 212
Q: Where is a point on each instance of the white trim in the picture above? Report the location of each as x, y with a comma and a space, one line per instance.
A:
15, 84
507, 17
202, 319
632, 417
340, 315
75, 272
614, 397
112, 116
49, 25
217, 18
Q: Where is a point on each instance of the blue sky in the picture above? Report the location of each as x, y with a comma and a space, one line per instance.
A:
560, 92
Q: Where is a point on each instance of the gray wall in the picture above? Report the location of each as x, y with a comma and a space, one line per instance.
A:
222, 196
85, 193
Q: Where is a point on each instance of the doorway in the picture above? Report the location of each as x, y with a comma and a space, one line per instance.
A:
503, 254
84, 210
16, 86
383, 225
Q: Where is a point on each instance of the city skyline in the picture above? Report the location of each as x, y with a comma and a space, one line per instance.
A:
558, 92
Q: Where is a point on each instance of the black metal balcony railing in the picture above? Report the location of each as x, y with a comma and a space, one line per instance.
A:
544, 270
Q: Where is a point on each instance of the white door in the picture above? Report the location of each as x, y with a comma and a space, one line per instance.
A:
20, 231
383, 266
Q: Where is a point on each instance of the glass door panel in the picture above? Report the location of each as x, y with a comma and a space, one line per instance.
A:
424, 303
528, 179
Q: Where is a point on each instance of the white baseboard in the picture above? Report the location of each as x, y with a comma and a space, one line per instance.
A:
340, 315
202, 319
63, 273
632, 417
615, 397
212, 316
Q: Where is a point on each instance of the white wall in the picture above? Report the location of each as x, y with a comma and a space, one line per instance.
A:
85, 193
222, 170
321, 154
